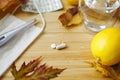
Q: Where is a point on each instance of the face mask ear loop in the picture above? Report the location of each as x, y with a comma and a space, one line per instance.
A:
41, 15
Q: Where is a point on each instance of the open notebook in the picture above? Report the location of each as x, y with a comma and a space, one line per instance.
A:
14, 48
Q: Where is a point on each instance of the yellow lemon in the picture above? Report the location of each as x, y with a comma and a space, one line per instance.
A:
105, 46
73, 2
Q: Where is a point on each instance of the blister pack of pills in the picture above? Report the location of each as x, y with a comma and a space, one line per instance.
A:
43, 5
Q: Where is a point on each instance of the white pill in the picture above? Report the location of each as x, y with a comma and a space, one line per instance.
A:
53, 46
61, 46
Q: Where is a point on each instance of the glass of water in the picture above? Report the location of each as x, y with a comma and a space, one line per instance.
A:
98, 14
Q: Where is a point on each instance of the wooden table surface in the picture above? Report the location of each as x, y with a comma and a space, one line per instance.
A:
73, 57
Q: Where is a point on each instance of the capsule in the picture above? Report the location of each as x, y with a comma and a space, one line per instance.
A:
61, 46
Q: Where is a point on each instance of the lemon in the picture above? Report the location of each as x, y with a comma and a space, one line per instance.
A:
73, 2
105, 46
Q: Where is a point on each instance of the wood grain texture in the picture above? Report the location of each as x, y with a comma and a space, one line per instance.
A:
73, 57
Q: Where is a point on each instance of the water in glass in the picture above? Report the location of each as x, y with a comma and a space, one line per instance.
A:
98, 14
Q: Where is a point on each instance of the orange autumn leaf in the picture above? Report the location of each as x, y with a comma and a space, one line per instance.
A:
112, 72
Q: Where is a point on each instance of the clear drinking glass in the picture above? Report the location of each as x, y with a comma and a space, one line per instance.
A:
98, 14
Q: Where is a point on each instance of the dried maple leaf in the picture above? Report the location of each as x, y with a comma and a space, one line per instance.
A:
70, 17
32, 71
107, 71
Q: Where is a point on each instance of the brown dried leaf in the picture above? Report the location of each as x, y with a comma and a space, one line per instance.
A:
24, 1
4, 4
65, 18
71, 17
32, 71
73, 11
117, 14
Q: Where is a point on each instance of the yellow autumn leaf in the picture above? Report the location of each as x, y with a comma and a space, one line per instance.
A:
77, 19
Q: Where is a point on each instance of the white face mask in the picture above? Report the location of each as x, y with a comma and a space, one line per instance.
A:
43, 5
